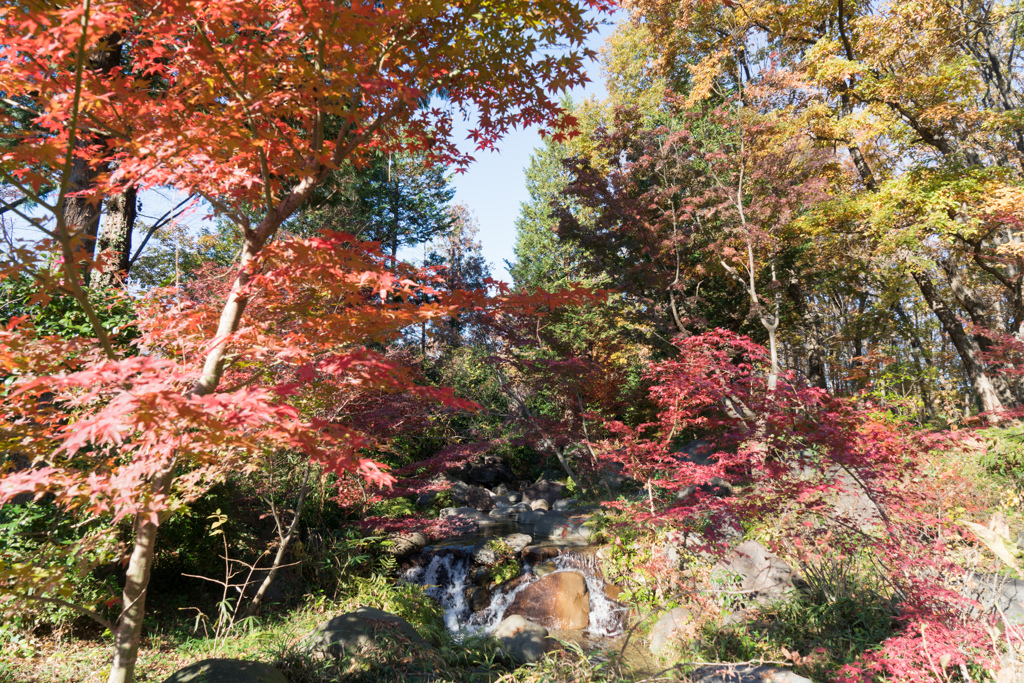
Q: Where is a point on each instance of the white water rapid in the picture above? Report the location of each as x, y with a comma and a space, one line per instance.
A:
447, 576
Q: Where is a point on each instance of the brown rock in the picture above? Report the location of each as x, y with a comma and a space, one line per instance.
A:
612, 591
558, 601
535, 554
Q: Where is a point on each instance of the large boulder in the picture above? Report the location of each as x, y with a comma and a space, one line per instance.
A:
227, 671
697, 452
530, 516
522, 639
471, 496
360, 630
545, 489
674, 626
744, 673
517, 542
762, 575
553, 525
559, 601
995, 593
489, 469
853, 505
404, 545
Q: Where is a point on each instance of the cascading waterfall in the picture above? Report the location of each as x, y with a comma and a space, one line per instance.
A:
606, 616
447, 576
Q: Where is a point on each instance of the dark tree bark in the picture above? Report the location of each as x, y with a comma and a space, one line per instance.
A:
117, 237
812, 336
82, 207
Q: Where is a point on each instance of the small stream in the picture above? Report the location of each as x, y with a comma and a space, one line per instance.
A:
448, 574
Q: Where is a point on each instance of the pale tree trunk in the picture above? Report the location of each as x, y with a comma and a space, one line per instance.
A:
966, 347
984, 318
128, 630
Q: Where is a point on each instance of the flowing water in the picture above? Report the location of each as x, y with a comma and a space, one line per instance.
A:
448, 574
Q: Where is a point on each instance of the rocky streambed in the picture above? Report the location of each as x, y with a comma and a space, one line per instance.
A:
498, 581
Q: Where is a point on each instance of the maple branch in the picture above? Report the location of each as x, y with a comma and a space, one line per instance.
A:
95, 616
63, 234
29, 193
162, 221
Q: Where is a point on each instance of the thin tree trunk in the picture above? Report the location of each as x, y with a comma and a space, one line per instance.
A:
812, 336
966, 347
920, 353
117, 237
282, 548
128, 632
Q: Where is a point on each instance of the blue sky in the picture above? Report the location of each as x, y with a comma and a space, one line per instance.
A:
494, 186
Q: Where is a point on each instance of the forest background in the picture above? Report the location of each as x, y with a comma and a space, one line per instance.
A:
791, 229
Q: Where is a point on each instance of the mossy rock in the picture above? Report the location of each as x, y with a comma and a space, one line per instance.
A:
227, 671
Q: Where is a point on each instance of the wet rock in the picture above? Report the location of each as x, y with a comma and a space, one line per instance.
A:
514, 497
481, 576
545, 489
478, 598
612, 592
675, 626
762, 574
558, 600
522, 639
553, 525
545, 568
503, 512
563, 504
530, 516
517, 510
540, 553
517, 542
404, 545
744, 673
227, 671
360, 629
484, 554
540, 505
